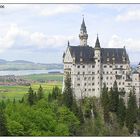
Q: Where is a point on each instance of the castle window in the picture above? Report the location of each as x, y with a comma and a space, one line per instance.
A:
93, 66
123, 83
92, 78
93, 72
85, 84
119, 83
111, 78
93, 89
106, 78
123, 72
98, 60
98, 71
110, 66
89, 72
105, 66
78, 78
78, 66
83, 66
83, 73
78, 73
116, 72
85, 78
92, 83
78, 84
107, 72
89, 78
85, 89
121, 66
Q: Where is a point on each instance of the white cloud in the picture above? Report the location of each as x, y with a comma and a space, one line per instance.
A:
51, 10
130, 15
18, 38
131, 44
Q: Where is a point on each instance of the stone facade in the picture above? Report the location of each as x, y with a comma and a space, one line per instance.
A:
90, 67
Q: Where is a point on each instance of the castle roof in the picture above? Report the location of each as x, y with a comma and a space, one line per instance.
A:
97, 44
86, 54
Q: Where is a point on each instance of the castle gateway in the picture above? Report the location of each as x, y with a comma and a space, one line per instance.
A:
90, 67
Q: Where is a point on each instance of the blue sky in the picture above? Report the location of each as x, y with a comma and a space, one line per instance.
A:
39, 33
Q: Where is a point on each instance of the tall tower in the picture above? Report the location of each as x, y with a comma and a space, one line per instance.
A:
83, 34
97, 57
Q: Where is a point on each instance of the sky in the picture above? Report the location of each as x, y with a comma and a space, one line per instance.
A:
40, 32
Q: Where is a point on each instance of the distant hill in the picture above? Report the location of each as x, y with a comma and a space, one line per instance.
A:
27, 65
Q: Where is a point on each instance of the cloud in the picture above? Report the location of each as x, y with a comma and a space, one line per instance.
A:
21, 39
130, 15
52, 10
118, 42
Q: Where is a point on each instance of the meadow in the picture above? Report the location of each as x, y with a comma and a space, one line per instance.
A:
17, 92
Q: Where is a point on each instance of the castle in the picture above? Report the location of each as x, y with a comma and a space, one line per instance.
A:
90, 67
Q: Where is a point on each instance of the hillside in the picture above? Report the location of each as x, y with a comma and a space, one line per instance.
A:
27, 65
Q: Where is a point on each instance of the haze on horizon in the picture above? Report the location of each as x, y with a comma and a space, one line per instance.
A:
39, 33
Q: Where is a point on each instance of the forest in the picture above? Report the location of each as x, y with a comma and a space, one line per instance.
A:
60, 114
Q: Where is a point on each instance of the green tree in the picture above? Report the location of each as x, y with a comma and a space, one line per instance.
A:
55, 92
121, 112
15, 128
3, 123
40, 93
68, 93
105, 103
114, 98
32, 97
131, 112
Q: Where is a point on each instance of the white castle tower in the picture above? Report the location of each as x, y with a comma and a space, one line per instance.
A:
83, 34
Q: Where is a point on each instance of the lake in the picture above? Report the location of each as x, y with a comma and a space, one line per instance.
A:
28, 72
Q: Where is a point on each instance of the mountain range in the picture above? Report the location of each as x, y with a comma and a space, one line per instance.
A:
27, 65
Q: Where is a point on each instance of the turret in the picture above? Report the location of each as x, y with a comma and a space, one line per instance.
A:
83, 36
97, 57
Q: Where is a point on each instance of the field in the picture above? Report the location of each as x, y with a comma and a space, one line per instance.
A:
17, 92
44, 77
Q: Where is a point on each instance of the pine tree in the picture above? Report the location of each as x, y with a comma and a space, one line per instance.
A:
68, 93
49, 97
14, 101
55, 92
77, 110
114, 98
121, 112
31, 96
105, 103
3, 126
40, 93
131, 112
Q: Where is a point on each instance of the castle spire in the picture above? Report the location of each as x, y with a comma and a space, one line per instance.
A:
68, 43
83, 26
97, 44
83, 34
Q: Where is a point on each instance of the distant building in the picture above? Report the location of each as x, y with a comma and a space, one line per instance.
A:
90, 67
